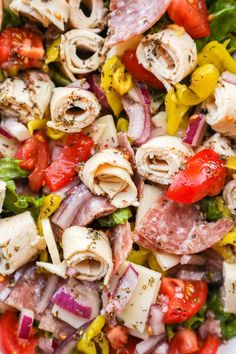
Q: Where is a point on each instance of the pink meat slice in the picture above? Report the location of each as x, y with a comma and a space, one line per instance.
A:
123, 241
177, 228
129, 18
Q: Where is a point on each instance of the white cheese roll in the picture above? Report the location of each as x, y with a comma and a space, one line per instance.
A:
221, 109
160, 158
94, 22
87, 253
23, 7
170, 55
108, 172
19, 242
72, 109
2, 193
91, 53
26, 98
220, 144
229, 194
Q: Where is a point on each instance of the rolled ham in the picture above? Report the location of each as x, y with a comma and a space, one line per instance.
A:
220, 144
229, 194
221, 108
85, 42
170, 55
87, 253
160, 158
95, 22
26, 98
54, 12
19, 242
109, 172
72, 109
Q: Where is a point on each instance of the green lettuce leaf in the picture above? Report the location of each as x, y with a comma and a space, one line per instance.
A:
214, 208
10, 19
10, 169
118, 217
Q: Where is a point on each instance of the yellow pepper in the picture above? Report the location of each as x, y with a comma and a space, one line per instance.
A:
54, 134
217, 54
222, 207
50, 204
226, 252
122, 82
53, 51
229, 238
231, 163
103, 343
37, 124
114, 101
138, 256
122, 125
153, 264
86, 344
175, 111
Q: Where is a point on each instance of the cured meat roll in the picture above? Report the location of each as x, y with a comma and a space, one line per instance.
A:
95, 22
47, 12
87, 253
221, 108
160, 158
72, 109
229, 194
26, 98
19, 242
86, 42
220, 144
109, 172
170, 55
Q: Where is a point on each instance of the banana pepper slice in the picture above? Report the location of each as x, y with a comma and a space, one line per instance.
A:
50, 204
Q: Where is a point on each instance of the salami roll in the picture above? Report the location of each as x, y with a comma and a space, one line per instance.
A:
229, 194
87, 253
19, 242
221, 108
108, 172
160, 158
95, 22
170, 55
86, 42
72, 109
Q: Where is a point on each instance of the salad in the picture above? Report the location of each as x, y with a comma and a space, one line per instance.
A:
117, 176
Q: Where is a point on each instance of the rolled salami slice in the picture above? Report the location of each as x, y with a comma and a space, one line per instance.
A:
86, 42
160, 158
170, 55
72, 109
87, 253
95, 22
108, 172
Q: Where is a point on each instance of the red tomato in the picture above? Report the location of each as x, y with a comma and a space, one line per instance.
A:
8, 336
185, 298
117, 337
192, 15
129, 347
138, 71
184, 342
204, 174
77, 149
210, 346
35, 155
20, 48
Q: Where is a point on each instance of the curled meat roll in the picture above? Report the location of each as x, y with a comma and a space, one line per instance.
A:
95, 22
85, 42
219, 144
170, 55
46, 12
2, 193
87, 253
221, 108
109, 172
19, 242
160, 158
72, 109
26, 98
229, 194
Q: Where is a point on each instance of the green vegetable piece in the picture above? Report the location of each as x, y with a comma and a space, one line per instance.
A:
170, 331
222, 207
10, 169
2, 75
118, 217
53, 51
10, 19
208, 207
139, 256
58, 78
107, 3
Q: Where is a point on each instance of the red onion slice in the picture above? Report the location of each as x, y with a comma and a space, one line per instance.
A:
15, 129
229, 77
196, 129
5, 133
25, 324
50, 289
148, 346
155, 322
95, 87
47, 345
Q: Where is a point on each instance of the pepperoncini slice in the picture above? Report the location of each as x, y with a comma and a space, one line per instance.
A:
231, 163
53, 51
204, 80
122, 82
103, 343
50, 204
86, 343
37, 124
153, 264
226, 252
139, 256
54, 134
122, 125
229, 238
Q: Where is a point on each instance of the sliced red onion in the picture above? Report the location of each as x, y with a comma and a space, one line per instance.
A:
196, 129
5, 133
163, 348
47, 345
63, 192
139, 114
50, 289
14, 128
155, 322
148, 346
25, 324
95, 87
67, 302
56, 152
229, 77
81, 83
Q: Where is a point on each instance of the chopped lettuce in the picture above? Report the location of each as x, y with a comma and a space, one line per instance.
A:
10, 169
118, 217
10, 19
15, 203
107, 3
214, 208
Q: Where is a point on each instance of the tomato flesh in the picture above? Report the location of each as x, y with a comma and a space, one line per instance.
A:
204, 174
185, 298
184, 342
210, 346
192, 15
138, 71
129, 347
